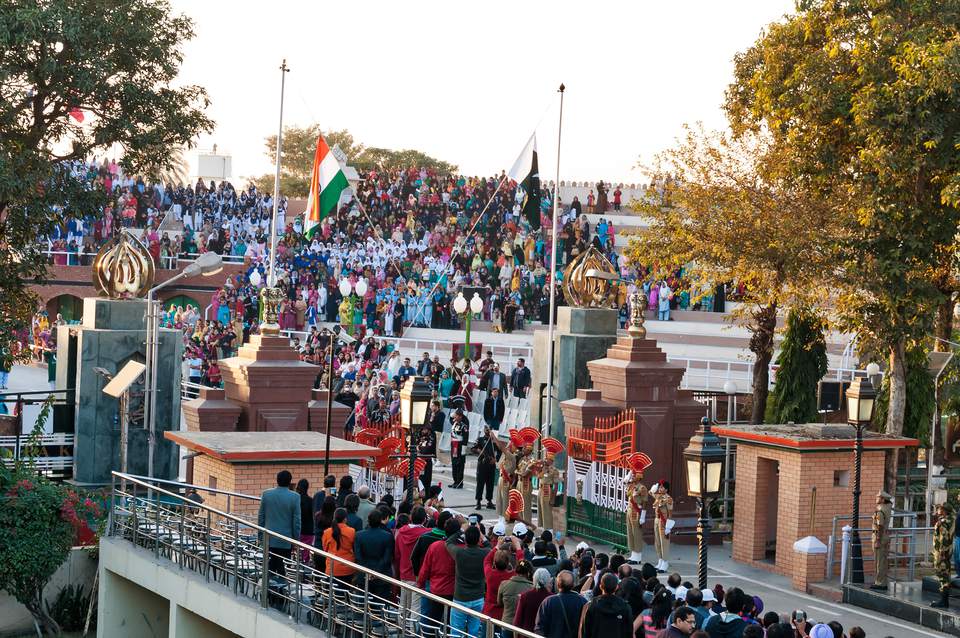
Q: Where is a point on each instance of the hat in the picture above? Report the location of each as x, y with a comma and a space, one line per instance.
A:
520, 530
551, 445
529, 435
884, 496
638, 462
500, 529
821, 630
514, 504
515, 438
581, 546
681, 593
708, 596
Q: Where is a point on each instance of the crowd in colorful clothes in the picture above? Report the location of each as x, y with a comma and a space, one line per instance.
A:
511, 572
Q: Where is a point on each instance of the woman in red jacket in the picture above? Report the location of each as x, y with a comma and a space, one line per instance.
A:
529, 603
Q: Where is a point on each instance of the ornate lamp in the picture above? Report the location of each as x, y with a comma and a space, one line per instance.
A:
861, 397
414, 401
704, 459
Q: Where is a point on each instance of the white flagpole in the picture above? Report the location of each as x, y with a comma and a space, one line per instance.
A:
553, 274
271, 277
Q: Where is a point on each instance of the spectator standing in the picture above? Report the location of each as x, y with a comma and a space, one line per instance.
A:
494, 409
684, 623
540, 558
373, 549
280, 513
468, 551
529, 603
508, 595
520, 380
607, 615
438, 570
559, 615
654, 618
329, 489
366, 505
352, 505
728, 624
498, 569
306, 517
487, 453
338, 540
493, 379
346, 489
406, 537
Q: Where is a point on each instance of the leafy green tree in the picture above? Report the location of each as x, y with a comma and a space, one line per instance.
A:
729, 217
802, 363
110, 62
299, 148
863, 99
920, 403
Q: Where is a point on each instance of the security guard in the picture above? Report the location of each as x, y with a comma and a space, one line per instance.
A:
881, 540
942, 550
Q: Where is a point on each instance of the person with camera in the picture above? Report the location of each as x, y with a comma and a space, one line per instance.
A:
468, 549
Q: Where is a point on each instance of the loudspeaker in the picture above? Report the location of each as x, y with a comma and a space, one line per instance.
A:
830, 395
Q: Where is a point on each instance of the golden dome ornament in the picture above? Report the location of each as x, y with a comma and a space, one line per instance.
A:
590, 280
123, 268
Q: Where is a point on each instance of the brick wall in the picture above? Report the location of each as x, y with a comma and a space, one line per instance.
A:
799, 472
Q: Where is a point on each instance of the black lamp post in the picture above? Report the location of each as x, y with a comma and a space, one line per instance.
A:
328, 362
414, 400
704, 457
860, 399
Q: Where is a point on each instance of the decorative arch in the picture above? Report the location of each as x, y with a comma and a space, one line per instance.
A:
181, 300
70, 307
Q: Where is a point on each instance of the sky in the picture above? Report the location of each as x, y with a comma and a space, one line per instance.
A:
469, 82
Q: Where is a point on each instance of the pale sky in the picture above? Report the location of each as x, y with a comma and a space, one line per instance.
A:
468, 82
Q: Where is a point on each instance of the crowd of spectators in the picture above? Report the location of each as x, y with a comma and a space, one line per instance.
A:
528, 580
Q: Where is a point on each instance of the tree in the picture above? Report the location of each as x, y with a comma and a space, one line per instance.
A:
730, 219
802, 363
863, 97
299, 148
39, 520
112, 64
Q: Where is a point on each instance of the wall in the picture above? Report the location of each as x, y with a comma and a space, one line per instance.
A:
136, 587
799, 473
78, 569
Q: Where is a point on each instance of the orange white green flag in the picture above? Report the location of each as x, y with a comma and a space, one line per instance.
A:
327, 182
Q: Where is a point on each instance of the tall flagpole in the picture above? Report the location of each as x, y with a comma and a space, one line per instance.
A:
553, 273
271, 277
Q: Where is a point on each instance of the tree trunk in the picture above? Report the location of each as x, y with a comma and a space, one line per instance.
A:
897, 408
761, 345
944, 323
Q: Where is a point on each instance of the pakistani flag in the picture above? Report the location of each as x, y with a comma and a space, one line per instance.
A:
326, 184
526, 173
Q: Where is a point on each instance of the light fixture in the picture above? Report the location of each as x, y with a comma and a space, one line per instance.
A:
476, 304
414, 400
255, 278
361, 286
861, 397
209, 263
730, 387
345, 287
460, 304
704, 461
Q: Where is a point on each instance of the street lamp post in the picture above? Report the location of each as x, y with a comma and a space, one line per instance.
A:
860, 399
704, 462
206, 264
730, 389
461, 307
414, 401
346, 287
328, 362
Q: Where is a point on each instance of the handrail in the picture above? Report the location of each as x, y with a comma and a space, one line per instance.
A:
197, 487
267, 534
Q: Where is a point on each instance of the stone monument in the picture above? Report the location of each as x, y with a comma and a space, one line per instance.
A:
113, 332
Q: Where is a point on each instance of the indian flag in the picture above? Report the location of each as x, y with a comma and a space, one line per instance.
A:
326, 184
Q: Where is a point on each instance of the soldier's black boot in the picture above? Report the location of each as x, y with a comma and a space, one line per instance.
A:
944, 601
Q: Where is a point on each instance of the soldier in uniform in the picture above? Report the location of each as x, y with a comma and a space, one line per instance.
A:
548, 480
662, 510
942, 550
527, 467
637, 496
881, 540
507, 467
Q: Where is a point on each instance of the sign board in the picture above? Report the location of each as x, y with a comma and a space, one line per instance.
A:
124, 379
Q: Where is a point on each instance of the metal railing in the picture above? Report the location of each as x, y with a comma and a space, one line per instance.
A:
909, 544
711, 374
293, 578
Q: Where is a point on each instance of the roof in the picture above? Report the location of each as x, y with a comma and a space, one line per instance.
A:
811, 436
240, 447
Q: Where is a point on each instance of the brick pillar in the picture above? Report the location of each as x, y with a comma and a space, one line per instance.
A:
747, 521
809, 562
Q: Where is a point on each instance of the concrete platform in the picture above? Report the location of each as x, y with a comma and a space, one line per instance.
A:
908, 602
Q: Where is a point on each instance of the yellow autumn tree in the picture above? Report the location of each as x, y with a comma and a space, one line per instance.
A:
716, 210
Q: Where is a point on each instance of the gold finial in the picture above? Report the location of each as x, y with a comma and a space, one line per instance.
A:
638, 303
270, 299
123, 268
590, 280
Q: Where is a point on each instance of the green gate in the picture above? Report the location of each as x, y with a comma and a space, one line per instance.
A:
596, 523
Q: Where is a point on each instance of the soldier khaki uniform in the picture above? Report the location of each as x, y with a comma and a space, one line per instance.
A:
507, 467
526, 468
548, 479
637, 496
942, 550
662, 510
881, 540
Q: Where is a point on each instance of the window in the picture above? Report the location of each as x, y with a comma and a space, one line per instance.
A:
212, 482
841, 478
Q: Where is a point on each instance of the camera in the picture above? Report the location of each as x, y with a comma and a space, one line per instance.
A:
799, 615
473, 519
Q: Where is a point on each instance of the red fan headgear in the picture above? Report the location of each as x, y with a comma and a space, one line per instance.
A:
638, 462
514, 504
516, 438
551, 445
529, 435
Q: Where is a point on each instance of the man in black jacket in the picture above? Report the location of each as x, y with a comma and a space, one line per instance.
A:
520, 380
607, 615
487, 453
494, 410
373, 549
559, 615
493, 378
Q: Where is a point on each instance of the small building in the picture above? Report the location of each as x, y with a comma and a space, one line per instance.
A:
248, 462
793, 482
